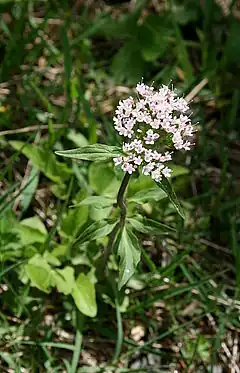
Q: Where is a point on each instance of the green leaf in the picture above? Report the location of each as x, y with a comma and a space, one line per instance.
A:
128, 64
183, 55
28, 193
96, 152
100, 206
63, 279
129, 252
39, 272
44, 159
96, 230
102, 179
153, 36
73, 220
51, 259
97, 213
84, 295
97, 201
165, 185
35, 223
143, 182
232, 46
146, 225
77, 138
178, 170
67, 57
31, 230
146, 195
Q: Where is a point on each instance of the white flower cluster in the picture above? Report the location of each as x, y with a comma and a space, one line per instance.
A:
153, 123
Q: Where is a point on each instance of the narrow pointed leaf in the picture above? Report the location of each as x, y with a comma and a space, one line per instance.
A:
94, 231
95, 152
150, 226
165, 185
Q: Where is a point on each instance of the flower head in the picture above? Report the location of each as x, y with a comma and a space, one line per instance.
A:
151, 124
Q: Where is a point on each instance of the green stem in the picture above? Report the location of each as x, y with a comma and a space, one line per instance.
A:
78, 341
109, 246
120, 198
119, 343
123, 212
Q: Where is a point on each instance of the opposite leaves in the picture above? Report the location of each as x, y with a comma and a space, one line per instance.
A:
95, 152
129, 252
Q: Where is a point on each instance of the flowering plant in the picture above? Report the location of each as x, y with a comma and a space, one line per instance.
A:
153, 126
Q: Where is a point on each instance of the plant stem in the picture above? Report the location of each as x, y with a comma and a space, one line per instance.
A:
78, 341
120, 198
119, 343
123, 211
109, 246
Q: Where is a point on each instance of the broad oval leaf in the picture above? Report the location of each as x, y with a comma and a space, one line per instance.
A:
63, 279
84, 295
165, 185
95, 152
102, 179
31, 230
129, 252
39, 272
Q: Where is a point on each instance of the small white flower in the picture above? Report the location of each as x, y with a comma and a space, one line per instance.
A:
137, 160
128, 167
144, 90
186, 145
156, 175
148, 168
166, 172
148, 156
117, 161
165, 157
151, 137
